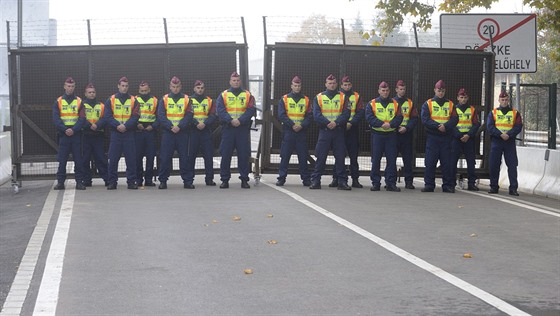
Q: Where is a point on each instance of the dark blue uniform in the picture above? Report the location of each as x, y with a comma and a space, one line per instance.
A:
200, 140
459, 147
383, 142
122, 143
330, 139
507, 148
405, 140
438, 147
171, 141
69, 144
294, 140
235, 138
94, 147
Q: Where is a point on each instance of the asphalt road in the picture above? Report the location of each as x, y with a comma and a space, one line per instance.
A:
310, 252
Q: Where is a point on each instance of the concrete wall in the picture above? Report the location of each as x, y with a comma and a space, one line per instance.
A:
538, 172
5, 157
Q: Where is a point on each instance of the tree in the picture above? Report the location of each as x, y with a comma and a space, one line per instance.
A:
317, 29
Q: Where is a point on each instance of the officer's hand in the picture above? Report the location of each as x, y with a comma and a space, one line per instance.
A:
121, 128
504, 136
93, 127
441, 128
235, 122
465, 138
69, 132
149, 128
175, 129
200, 126
402, 129
331, 125
348, 126
296, 128
140, 127
386, 125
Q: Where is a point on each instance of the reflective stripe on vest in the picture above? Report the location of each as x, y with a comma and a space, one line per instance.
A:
147, 109
504, 122
331, 108
406, 107
236, 105
175, 110
385, 114
122, 112
440, 113
201, 109
69, 112
296, 110
353, 102
95, 112
465, 119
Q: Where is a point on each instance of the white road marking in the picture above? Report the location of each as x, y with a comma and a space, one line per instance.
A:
47, 298
22, 280
446, 276
523, 204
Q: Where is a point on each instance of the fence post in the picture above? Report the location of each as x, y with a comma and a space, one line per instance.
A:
552, 90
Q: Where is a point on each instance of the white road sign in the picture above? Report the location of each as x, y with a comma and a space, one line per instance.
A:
514, 38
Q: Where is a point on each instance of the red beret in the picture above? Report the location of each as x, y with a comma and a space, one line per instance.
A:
400, 83
69, 80
144, 83
383, 85
296, 79
175, 80
504, 94
331, 77
123, 79
345, 79
440, 85
89, 86
234, 74
462, 92
198, 83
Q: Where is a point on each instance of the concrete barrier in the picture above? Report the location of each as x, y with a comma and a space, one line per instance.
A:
549, 186
5, 157
538, 172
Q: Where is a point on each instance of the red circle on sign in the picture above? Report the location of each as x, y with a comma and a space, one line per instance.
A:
488, 29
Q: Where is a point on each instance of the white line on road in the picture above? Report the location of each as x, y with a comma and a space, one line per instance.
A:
523, 204
446, 276
22, 280
47, 299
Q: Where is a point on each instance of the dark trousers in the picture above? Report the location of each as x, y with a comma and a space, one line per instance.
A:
438, 148
330, 139
351, 140
145, 143
239, 139
404, 146
384, 143
508, 149
467, 149
171, 142
70, 145
122, 144
200, 141
290, 141
94, 150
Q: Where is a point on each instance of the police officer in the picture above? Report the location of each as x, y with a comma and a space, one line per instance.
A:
384, 116
69, 117
145, 136
463, 137
236, 107
352, 131
122, 113
331, 112
174, 114
504, 123
439, 118
94, 137
405, 132
200, 135
295, 114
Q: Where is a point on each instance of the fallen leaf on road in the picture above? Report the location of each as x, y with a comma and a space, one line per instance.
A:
236, 218
467, 255
474, 235
272, 242
248, 271
269, 215
214, 221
